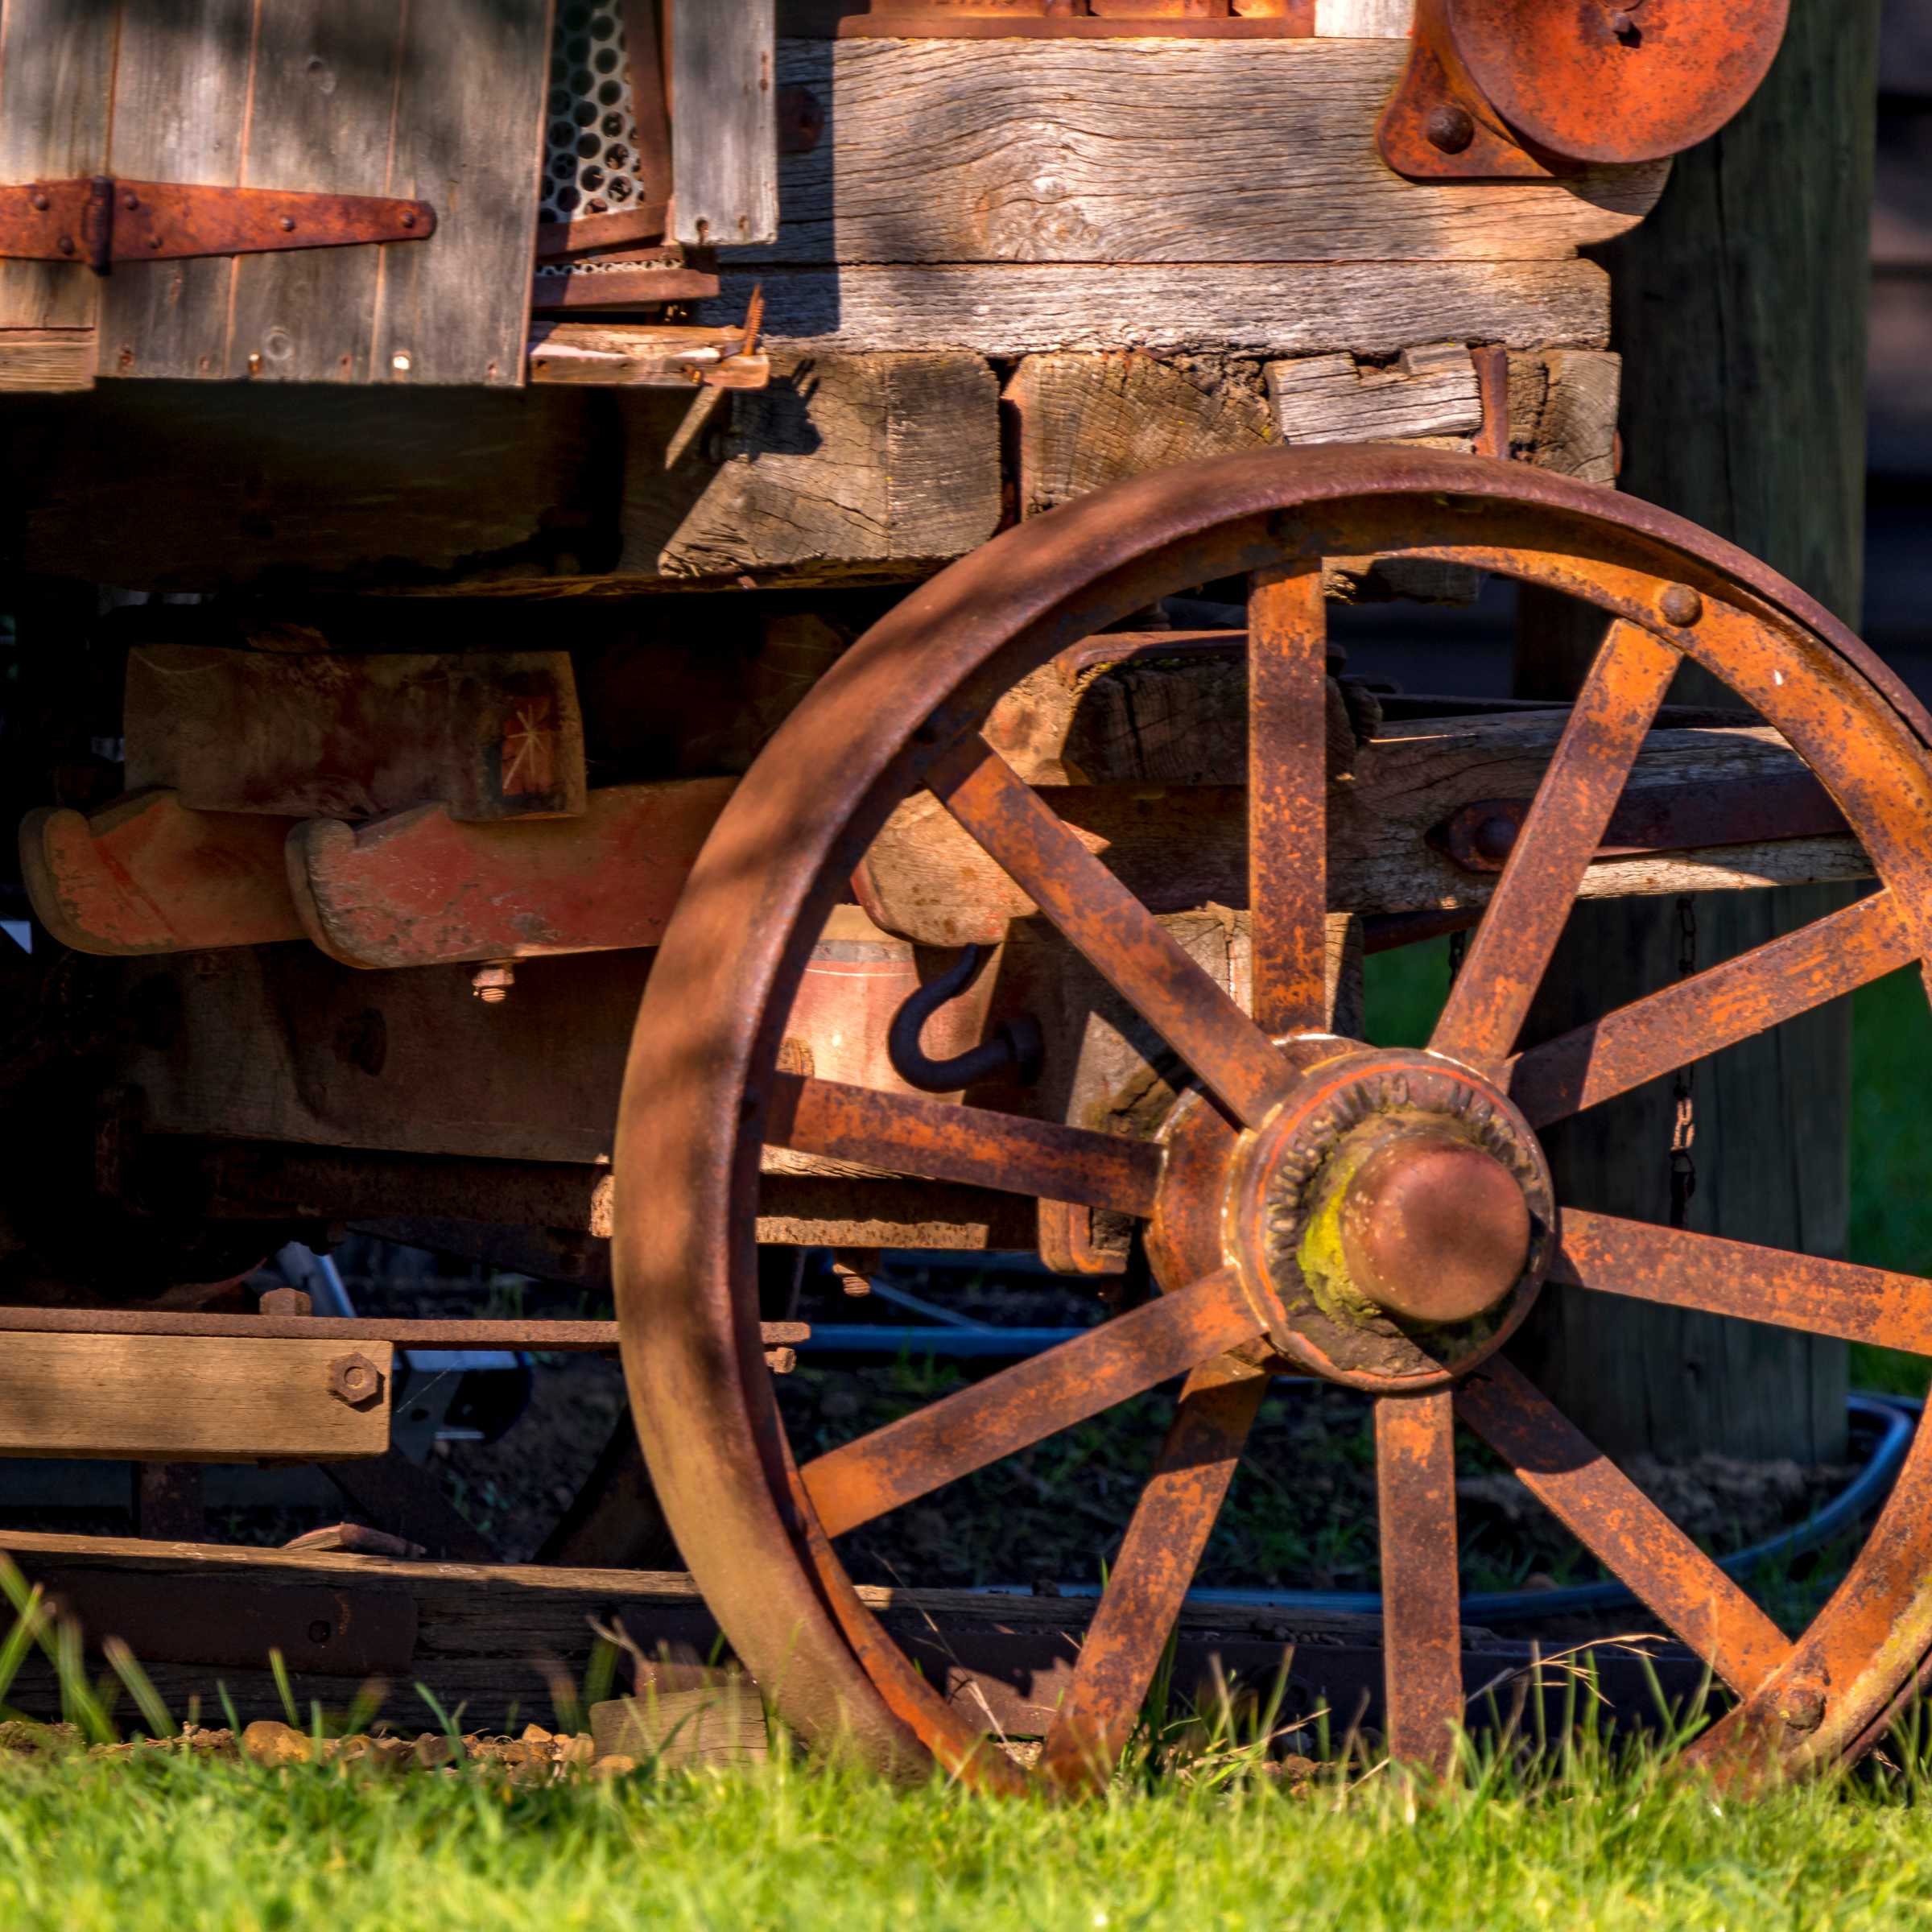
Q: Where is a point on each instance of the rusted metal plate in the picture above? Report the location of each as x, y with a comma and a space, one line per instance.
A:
103, 220
148, 875
1521, 88
426, 888
324, 734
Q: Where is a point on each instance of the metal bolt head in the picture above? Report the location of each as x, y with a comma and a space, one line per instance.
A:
1802, 1705
354, 1378
1434, 1228
320, 1631
1450, 128
286, 1301
65, 245
130, 200
287, 224
41, 204
408, 217
1680, 604
491, 983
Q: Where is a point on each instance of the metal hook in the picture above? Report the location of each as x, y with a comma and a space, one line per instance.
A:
1015, 1048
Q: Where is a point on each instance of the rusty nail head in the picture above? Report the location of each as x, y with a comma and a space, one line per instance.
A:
40, 202
408, 217
130, 200
287, 224
154, 241
65, 245
354, 1378
1681, 605
320, 1632
286, 1301
1450, 127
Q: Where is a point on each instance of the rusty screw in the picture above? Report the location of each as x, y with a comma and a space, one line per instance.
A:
1450, 128
492, 984
354, 1378
1680, 604
286, 1301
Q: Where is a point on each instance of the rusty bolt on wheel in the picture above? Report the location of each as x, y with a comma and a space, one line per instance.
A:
1680, 604
354, 1378
1450, 128
1802, 1706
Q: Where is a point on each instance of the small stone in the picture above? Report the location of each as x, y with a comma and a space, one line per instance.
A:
579, 1749
536, 1734
432, 1750
613, 1765
268, 1742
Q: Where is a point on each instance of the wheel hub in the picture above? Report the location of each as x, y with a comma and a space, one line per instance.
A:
1391, 1222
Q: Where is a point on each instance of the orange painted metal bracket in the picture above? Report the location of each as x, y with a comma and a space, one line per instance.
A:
423, 889
149, 875
1502, 89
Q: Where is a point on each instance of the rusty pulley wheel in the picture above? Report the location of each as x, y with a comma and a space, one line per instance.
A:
1380, 1217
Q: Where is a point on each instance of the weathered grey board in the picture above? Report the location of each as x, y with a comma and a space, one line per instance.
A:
1237, 308
890, 460
1127, 151
442, 99
724, 123
60, 52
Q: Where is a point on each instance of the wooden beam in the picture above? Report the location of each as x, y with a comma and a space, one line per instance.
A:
43, 359
725, 130
1234, 308
182, 1399
1188, 151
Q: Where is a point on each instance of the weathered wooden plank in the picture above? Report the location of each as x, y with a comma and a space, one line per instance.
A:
467, 121
1363, 19
1143, 150
40, 359
1085, 421
156, 486
56, 81
1429, 393
318, 119
180, 109
724, 138
886, 464
1235, 308
1562, 411
180, 1398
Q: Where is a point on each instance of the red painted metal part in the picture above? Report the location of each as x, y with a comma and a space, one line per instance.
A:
101, 220
904, 708
1497, 89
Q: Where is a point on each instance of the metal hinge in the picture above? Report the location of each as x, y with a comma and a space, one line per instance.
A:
100, 220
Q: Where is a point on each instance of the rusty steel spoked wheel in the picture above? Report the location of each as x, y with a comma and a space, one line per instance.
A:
1312, 1204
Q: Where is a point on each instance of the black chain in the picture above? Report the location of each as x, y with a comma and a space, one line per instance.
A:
1683, 1126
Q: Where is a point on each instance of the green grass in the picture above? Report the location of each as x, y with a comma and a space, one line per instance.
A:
176, 1845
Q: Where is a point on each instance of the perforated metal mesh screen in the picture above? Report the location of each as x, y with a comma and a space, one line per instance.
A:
592, 136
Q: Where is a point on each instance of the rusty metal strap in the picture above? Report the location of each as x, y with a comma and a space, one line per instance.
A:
100, 220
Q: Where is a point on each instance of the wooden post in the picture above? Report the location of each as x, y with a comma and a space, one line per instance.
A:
1740, 312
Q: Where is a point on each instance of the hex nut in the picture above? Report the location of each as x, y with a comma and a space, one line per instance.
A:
1680, 604
286, 1301
354, 1378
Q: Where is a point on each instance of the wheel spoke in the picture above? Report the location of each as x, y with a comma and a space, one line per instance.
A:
1171, 1524
1118, 936
1512, 947
1717, 1007
1421, 1618
941, 1140
1680, 1269
1288, 797
1621, 1527
1020, 1405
